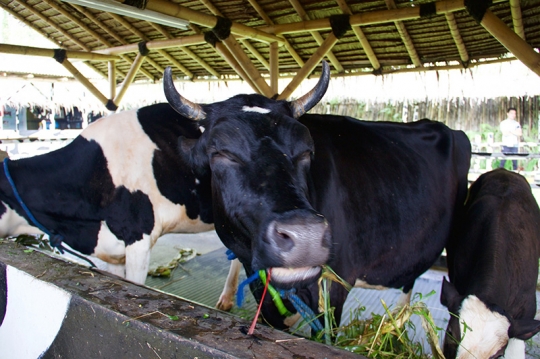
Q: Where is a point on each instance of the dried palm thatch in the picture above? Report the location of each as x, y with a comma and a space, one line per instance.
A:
357, 37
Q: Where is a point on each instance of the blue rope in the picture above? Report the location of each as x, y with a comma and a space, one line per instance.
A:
240, 293
54, 239
230, 255
302, 308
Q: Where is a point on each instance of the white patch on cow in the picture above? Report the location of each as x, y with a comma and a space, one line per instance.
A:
197, 181
34, 315
129, 158
202, 129
515, 349
12, 224
138, 259
483, 332
226, 299
109, 248
255, 109
363, 284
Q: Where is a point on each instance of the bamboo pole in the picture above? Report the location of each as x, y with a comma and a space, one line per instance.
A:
361, 37
274, 68
129, 78
187, 51
199, 18
313, 61
269, 21
404, 34
244, 61
256, 53
316, 35
53, 25
156, 45
224, 52
515, 9
37, 51
31, 25
509, 39
112, 79
454, 30
366, 18
85, 82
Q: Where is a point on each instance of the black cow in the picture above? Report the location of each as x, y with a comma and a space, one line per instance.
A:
493, 269
113, 190
374, 200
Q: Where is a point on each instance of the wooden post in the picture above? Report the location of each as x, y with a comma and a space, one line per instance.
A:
247, 65
274, 67
224, 52
451, 20
129, 78
517, 20
85, 82
112, 79
313, 61
509, 39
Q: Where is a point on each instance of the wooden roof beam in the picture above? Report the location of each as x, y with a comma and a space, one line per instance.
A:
225, 53
269, 21
37, 51
316, 35
407, 41
187, 51
454, 30
361, 37
199, 18
135, 31
310, 65
515, 9
53, 24
366, 18
244, 42
512, 41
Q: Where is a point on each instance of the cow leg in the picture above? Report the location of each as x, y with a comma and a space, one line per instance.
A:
405, 296
117, 269
226, 299
515, 349
138, 260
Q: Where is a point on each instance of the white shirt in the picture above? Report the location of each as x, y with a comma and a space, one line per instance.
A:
508, 139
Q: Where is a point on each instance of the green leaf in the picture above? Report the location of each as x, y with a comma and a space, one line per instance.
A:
29, 250
173, 317
206, 316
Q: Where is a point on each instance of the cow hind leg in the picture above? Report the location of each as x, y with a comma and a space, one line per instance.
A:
226, 299
117, 269
138, 260
515, 349
405, 296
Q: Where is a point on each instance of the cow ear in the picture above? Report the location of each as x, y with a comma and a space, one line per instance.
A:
523, 328
450, 297
189, 150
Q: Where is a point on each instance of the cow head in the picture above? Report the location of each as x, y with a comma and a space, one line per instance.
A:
480, 330
256, 157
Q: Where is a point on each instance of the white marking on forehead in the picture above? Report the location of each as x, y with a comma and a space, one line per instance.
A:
201, 128
486, 332
255, 109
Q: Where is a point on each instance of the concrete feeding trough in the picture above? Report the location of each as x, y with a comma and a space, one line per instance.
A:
54, 309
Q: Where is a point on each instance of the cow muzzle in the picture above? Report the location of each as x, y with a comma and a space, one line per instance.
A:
295, 245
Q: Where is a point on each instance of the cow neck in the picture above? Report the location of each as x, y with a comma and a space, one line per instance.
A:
55, 239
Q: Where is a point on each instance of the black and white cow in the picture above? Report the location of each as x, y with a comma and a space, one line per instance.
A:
290, 192
493, 269
113, 190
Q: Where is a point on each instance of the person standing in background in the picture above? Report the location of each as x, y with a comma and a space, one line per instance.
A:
511, 134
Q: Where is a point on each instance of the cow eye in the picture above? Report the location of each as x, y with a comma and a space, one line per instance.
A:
225, 155
304, 157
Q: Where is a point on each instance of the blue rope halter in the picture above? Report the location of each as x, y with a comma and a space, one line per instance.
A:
54, 239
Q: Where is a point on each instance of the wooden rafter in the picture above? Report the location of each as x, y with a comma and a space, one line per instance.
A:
274, 68
361, 37
241, 58
85, 82
143, 37
512, 41
129, 78
225, 53
407, 41
54, 25
269, 21
316, 35
187, 51
515, 8
313, 61
454, 30
36, 51
206, 20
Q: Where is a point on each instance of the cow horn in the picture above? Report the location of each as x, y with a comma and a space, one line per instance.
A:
309, 100
180, 104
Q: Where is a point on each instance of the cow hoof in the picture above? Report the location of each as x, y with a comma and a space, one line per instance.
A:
224, 304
